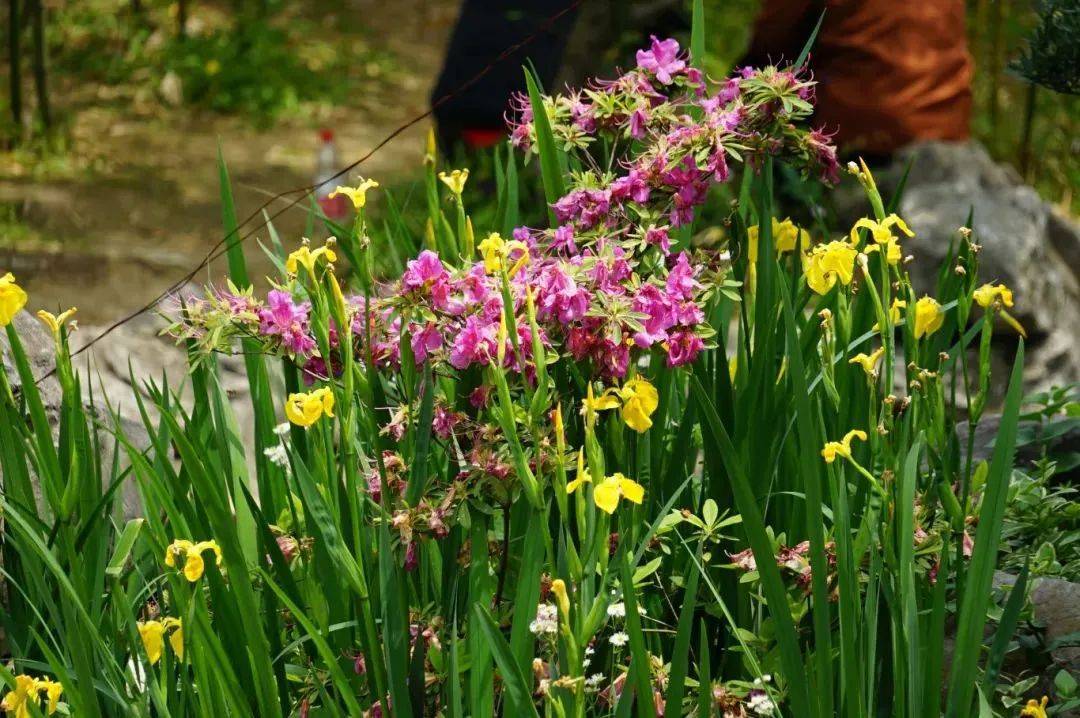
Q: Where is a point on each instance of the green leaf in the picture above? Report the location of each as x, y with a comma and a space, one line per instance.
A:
680, 651
771, 581
514, 684
550, 172
972, 614
697, 35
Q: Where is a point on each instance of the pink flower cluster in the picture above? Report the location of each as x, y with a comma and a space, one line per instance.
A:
613, 279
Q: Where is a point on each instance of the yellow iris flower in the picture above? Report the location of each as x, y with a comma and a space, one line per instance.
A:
455, 180
495, 250
881, 232
928, 317
828, 263
891, 248
607, 493
55, 322
868, 362
358, 194
304, 409
786, 236
894, 310
27, 692
841, 448
558, 587
638, 399
12, 299
582, 475
152, 634
16, 702
306, 258
1034, 708
53, 691
989, 294
192, 555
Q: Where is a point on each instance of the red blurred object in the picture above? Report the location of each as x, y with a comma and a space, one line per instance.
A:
478, 138
326, 179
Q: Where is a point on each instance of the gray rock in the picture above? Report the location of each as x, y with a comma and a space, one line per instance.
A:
1057, 606
1025, 244
37, 344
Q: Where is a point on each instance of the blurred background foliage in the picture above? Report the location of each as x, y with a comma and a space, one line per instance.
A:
265, 59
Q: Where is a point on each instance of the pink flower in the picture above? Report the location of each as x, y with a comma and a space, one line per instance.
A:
683, 348
632, 186
426, 274
288, 321
424, 271
680, 281
638, 121
559, 297
659, 237
563, 240
443, 422
475, 344
424, 341
661, 59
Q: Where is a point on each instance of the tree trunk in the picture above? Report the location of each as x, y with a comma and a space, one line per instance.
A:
181, 18
15, 60
40, 73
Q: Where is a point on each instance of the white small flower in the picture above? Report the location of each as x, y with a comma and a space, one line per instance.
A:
617, 610
282, 429
586, 662
641, 610
619, 639
546, 620
760, 703
593, 682
277, 455
589, 650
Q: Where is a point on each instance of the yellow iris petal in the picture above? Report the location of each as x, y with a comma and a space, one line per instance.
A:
307, 258
842, 448
12, 299
868, 362
55, 322
152, 633
1034, 708
606, 495
640, 400
193, 566
455, 180
582, 476
828, 263
176, 638
988, 294
304, 409
357, 195
929, 317
53, 691
631, 490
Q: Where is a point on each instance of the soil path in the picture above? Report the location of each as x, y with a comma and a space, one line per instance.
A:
110, 238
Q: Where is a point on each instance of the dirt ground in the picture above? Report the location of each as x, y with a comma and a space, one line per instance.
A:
140, 207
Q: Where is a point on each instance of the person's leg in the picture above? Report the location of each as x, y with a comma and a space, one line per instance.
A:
486, 28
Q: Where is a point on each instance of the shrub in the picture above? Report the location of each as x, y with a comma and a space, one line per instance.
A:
592, 468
